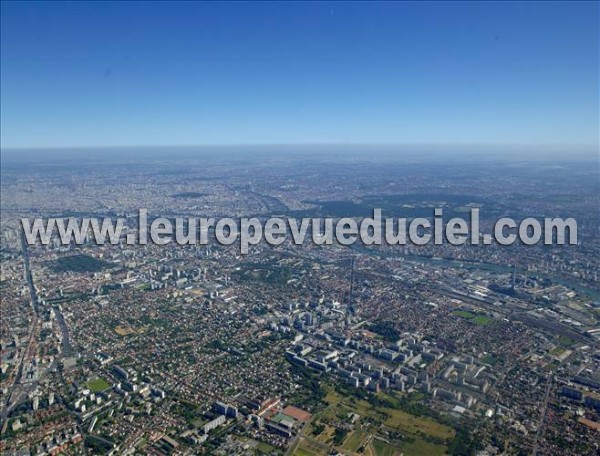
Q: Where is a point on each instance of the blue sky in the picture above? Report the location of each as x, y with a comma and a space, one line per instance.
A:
112, 73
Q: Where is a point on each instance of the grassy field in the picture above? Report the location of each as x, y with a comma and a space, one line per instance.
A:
354, 440
422, 448
477, 319
464, 314
307, 448
265, 448
482, 320
380, 448
413, 424
373, 419
96, 385
333, 397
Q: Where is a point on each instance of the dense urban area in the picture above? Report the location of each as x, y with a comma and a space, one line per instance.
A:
305, 349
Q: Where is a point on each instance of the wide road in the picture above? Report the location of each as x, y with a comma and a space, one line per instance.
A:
16, 390
66, 342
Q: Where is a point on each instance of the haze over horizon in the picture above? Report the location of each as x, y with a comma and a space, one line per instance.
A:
152, 74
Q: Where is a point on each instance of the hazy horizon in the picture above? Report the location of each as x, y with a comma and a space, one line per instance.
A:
412, 152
